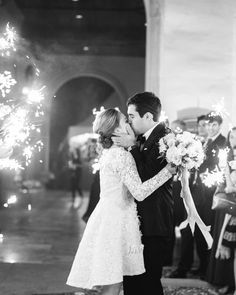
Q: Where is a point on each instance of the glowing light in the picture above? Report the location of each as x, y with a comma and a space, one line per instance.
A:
4, 110
213, 178
163, 117
1, 238
33, 95
29, 207
95, 166
20, 125
219, 109
6, 82
222, 155
11, 164
7, 40
79, 16
12, 200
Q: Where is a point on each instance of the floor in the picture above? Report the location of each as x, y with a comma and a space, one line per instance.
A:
39, 237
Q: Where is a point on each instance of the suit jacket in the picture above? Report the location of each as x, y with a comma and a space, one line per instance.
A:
212, 151
156, 211
204, 193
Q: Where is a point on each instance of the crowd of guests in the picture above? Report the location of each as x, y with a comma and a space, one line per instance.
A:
216, 265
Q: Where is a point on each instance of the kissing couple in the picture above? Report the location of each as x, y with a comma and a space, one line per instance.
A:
127, 235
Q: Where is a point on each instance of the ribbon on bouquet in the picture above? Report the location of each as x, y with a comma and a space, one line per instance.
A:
193, 217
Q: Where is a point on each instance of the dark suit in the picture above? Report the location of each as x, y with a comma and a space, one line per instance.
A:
156, 217
211, 162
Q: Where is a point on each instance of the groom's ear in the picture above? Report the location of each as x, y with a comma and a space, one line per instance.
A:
149, 116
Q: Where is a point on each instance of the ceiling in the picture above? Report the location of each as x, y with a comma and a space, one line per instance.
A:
100, 27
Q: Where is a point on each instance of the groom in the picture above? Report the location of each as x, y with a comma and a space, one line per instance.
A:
155, 212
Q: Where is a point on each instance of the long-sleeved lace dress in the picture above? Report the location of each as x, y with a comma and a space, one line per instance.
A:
111, 244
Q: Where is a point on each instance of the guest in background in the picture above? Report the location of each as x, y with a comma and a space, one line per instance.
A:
220, 272
214, 142
202, 127
75, 167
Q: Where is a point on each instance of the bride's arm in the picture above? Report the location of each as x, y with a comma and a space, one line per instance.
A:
127, 170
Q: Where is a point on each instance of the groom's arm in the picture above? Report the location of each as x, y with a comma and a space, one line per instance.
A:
150, 164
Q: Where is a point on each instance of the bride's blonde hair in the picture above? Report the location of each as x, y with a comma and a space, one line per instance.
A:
104, 124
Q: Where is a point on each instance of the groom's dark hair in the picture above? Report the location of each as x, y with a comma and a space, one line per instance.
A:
146, 102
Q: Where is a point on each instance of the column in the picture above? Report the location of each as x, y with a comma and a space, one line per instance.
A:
154, 9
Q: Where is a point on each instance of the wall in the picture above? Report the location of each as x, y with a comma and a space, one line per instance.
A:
197, 57
125, 74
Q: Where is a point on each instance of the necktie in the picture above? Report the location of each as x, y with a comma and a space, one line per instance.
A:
141, 140
209, 141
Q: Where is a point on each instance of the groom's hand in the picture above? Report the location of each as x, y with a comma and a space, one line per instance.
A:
124, 139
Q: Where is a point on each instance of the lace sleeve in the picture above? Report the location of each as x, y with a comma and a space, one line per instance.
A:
126, 168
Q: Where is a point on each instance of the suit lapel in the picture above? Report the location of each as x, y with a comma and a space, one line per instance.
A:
158, 132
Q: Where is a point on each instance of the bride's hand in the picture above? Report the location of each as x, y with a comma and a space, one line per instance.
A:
172, 169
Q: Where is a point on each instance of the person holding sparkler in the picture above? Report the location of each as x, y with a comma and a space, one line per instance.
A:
214, 142
221, 270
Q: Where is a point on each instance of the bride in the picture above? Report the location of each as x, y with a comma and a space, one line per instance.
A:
111, 245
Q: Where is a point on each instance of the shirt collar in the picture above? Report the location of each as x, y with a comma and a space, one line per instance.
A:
147, 133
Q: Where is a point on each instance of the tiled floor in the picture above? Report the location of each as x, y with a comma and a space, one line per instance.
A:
38, 246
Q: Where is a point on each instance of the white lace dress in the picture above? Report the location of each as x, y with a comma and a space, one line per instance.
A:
111, 245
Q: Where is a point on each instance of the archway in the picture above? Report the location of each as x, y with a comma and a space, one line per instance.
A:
71, 114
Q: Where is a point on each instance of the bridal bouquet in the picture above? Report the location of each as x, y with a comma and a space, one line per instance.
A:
182, 150
185, 151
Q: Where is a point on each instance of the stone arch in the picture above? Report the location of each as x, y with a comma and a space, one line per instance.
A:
58, 81
102, 75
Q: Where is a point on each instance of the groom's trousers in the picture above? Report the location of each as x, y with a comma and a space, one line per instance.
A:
154, 256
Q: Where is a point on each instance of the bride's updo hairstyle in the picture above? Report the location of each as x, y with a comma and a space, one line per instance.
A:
105, 124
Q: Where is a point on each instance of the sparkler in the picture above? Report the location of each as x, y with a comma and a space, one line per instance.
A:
163, 117
6, 81
19, 117
219, 109
216, 176
7, 40
213, 178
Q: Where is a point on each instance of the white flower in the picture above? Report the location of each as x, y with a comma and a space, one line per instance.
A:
173, 156
162, 146
182, 149
189, 163
170, 139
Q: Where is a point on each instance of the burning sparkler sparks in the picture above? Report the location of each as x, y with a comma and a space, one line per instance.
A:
7, 40
6, 81
219, 109
163, 117
19, 117
213, 178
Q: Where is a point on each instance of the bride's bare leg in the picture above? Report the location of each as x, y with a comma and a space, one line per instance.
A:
111, 289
